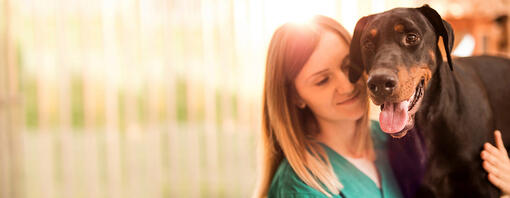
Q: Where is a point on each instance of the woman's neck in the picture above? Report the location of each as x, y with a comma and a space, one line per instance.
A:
338, 135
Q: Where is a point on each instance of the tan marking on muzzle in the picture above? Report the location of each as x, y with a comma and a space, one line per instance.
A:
408, 79
398, 28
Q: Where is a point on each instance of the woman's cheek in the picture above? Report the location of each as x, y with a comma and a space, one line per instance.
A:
361, 107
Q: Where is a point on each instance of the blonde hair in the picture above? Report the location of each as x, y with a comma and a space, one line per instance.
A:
288, 131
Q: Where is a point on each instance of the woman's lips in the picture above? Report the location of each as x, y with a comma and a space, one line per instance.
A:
350, 100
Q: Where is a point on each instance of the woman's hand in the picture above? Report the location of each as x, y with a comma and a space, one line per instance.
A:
497, 164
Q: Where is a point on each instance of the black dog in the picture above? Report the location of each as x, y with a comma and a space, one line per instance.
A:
447, 110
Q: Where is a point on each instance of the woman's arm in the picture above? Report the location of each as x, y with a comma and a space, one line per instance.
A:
497, 164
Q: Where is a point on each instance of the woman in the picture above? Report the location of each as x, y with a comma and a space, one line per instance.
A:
317, 139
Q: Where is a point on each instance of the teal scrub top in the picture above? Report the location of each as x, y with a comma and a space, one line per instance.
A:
286, 183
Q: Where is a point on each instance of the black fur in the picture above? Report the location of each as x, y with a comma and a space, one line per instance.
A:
355, 51
442, 28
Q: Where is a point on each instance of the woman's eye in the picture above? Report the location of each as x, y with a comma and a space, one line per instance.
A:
344, 66
323, 81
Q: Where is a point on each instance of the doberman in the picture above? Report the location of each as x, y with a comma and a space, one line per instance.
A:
440, 114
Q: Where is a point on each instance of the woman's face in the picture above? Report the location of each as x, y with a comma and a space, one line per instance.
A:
323, 84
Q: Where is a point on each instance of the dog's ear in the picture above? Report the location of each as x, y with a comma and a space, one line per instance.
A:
442, 28
356, 64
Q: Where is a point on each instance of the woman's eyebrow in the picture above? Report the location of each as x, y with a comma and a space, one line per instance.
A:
309, 78
319, 72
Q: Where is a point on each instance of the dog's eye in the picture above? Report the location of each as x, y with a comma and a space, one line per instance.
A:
411, 38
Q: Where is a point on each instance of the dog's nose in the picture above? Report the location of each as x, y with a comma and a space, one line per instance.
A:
382, 84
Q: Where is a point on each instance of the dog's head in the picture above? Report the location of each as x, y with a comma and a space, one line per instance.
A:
398, 49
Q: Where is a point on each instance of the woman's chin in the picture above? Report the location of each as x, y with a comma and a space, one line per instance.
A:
354, 113
358, 114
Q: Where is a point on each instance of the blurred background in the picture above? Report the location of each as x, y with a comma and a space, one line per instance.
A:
160, 98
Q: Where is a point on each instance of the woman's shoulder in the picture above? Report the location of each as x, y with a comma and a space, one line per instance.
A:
286, 183
379, 138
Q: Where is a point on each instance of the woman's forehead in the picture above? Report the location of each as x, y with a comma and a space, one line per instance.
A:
329, 53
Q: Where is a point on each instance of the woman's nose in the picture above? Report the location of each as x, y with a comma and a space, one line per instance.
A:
343, 85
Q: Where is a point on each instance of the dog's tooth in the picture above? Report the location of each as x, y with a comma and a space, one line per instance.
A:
412, 97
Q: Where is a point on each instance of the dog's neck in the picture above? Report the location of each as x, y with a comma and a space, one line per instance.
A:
441, 101
443, 92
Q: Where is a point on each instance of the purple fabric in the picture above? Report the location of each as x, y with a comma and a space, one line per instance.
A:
408, 160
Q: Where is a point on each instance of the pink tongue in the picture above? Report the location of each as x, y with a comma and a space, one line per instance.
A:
393, 117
